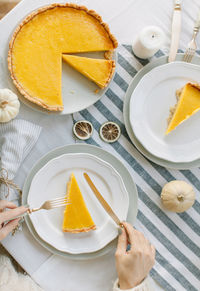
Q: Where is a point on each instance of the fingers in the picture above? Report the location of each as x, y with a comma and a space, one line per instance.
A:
10, 214
130, 232
122, 243
138, 240
8, 228
6, 204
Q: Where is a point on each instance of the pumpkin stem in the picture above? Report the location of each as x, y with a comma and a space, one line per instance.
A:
3, 104
180, 197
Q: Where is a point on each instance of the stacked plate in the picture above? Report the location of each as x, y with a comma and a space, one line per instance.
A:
47, 180
146, 109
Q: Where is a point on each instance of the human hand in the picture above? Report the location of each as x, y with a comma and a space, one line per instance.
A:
5, 229
134, 265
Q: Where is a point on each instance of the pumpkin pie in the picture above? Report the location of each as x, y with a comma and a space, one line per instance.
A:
37, 45
98, 70
188, 103
76, 216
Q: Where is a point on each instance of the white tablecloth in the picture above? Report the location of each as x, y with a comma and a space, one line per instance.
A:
125, 18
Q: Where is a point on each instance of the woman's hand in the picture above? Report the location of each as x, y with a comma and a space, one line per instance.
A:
134, 265
5, 229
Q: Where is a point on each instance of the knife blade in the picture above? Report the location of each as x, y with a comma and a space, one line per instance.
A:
176, 29
103, 202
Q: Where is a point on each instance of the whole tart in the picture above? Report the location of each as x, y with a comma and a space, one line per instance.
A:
37, 45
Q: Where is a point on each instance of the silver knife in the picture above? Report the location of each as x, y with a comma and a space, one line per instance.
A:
103, 202
176, 29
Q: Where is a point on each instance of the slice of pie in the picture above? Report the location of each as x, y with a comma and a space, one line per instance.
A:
37, 45
188, 103
76, 216
98, 70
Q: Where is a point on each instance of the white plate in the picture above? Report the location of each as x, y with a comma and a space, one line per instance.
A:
50, 182
149, 110
78, 92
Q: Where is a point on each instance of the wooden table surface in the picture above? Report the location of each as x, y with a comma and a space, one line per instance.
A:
6, 6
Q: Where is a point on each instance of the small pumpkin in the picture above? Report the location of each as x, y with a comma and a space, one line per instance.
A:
177, 196
9, 105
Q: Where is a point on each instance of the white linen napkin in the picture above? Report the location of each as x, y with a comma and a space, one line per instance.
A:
17, 138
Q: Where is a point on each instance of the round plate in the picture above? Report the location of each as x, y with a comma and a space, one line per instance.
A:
160, 61
78, 92
50, 183
104, 155
149, 110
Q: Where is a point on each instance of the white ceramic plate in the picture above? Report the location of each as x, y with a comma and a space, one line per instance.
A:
78, 92
149, 110
50, 182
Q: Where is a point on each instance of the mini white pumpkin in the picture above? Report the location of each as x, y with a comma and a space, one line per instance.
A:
9, 105
177, 196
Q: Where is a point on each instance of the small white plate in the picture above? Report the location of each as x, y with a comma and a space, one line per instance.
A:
50, 182
149, 109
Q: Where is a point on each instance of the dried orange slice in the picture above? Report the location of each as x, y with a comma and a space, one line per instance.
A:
110, 132
83, 129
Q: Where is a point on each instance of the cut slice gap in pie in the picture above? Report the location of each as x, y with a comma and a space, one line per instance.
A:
100, 71
37, 45
188, 103
76, 215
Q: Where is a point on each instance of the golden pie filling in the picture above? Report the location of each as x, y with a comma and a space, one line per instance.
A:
76, 216
36, 48
97, 70
188, 103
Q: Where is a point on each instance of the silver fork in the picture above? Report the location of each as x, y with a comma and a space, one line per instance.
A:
50, 204
47, 205
192, 44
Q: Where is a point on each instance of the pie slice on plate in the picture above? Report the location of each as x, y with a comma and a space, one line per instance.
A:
76, 216
188, 103
37, 45
98, 70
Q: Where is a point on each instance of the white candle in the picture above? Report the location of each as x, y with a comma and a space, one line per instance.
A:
148, 42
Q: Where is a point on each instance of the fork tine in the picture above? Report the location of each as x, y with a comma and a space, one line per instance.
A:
185, 58
59, 202
59, 198
59, 205
191, 57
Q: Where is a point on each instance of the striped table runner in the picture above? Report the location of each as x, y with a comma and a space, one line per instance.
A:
175, 236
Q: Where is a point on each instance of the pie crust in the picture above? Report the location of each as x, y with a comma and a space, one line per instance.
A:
78, 230
22, 90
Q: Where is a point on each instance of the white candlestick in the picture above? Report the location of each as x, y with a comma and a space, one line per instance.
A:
148, 42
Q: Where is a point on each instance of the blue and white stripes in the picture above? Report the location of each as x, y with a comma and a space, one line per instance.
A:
17, 138
175, 236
